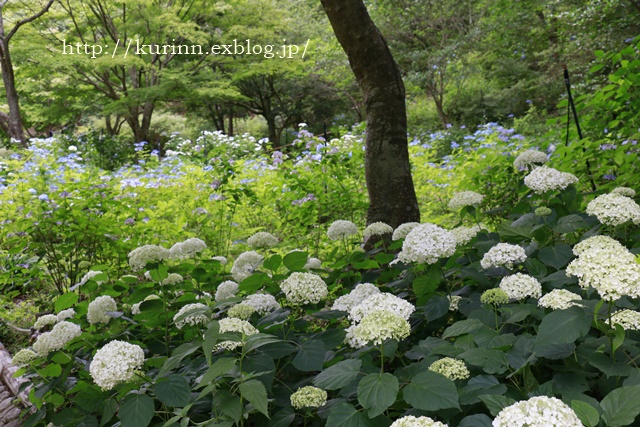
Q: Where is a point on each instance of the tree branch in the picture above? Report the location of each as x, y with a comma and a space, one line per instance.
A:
26, 20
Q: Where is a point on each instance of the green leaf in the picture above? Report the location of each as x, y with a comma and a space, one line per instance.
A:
109, 409
345, 415
376, 392
569, 224
254, 282
563, 327
496, 403
338, 375
619, 337
310, 357
426, 285
178, 354
256, 394
587, 413
273, 262
90, 399
65, 301
556, 256
283, 418
52, 370
491, 361
210, 340
477, 420
219, 367
620, 407
173, 390
431, 392
295, 261
462, 327
136, 410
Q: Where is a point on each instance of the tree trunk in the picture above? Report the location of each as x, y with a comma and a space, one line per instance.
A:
14, 123
392, 197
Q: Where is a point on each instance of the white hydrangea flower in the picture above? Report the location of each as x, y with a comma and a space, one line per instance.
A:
559, 299
195, 319
23, 357
411, 421
463, 235
544, 179
98, 308
304, 288
380, 325
46, 320
495, 296
221, 259
351, 339
426, 243
227, 289
262, 240
607, 266
453, 369
454, 300
539, 411
403, 229
88, 276
262, 303
135, 308
172, 279
614, 209
187, 249
66, 314
116, 362
139, 257
503, 255
308, 397
361, 292
57, 338
520, 286
628, 319
340, 229
530, 158
241, 311
465, 198
624, 191
377, 229
231, 324
313, 263
381, 301
245, 265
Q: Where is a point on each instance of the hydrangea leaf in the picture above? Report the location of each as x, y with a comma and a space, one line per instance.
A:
256, 394
376, 392
563, 327
430, 391
556, 256
295, 261
310, 357
496, 403
587, 413
65, 301
338, 375
136, 410
620, 407
173, 390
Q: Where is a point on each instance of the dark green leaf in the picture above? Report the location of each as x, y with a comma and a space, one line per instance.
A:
587, 413
620, 407
477, 420
295, 261
462, 327
65, 301
491, 361
431, 392
496, 403
219, 367
345, 415
563, 327
273, 262
569, 224
173, 390
376, 392
136, 410
256, 394
556, 256
310, 357
338, 375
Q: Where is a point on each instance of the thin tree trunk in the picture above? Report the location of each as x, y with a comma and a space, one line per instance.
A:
14, 124
392, 196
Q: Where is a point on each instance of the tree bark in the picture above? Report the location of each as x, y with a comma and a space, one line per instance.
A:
392, 197
14, 123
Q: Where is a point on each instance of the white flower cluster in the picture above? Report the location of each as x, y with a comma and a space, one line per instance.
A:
304, 288
227, 289
381, 301
201, 317
139, 257
520, 286
313, 263
88, 276
23, 357
495, 296
241, 311
308, 397
539, 411
380, 325
66, 314
245, 265
46, 320
529, 158
135, 308
187, 249
117, 362
559, 299
403, 229
628, 319
544, 179
411, 421
454, 300
262, 303
465, 198
98, 308
340, 229
451, 368
463, 235
231, 324
262, 240
377, 229
614, 209
172, 279
503, 255
361, 292
624, 191
221, 259
607, 266
426, 243
58, 337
